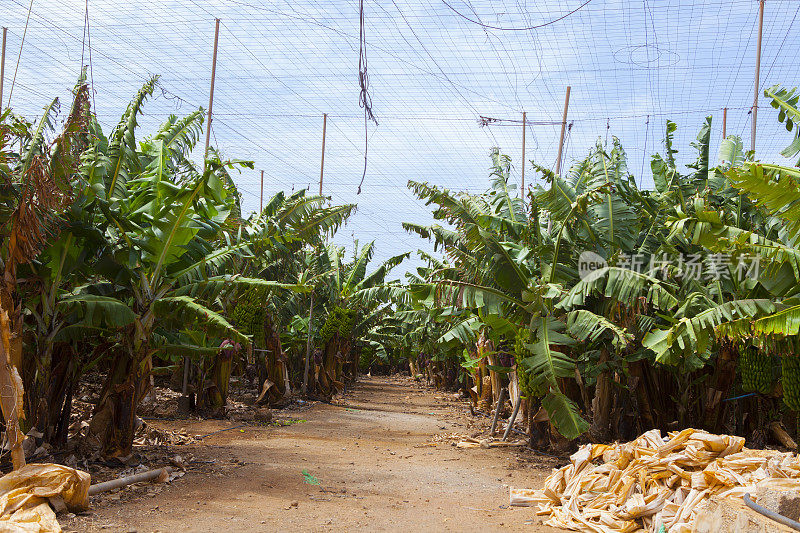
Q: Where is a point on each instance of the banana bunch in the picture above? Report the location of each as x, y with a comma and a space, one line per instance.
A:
340, 321
791, 381
347, 322
520, 353
755, 367
250, 313
330, 326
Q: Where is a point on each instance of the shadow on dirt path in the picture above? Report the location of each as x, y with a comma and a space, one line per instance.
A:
379, 457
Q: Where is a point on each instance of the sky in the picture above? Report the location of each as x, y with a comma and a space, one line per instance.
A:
434, 69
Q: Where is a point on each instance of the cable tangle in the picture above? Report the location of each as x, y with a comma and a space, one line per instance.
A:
364, 99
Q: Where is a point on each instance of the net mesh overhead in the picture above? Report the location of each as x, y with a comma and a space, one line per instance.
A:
435, 68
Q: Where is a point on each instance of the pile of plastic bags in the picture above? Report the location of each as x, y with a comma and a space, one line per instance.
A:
29, 495
653, 481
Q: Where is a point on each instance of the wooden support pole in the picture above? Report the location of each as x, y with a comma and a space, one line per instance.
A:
262, 192
211, 94
758, 75
724, 122
322, 161
522, 187
308, 346
2, 68
185, 387
563, 130
500, 401
513, 418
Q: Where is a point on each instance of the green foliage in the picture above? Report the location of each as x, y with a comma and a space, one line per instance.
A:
501, 261
785, 101
309, 479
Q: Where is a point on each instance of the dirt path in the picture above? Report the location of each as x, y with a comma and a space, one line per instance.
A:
378, 459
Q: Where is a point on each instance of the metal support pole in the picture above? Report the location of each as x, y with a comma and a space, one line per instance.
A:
262, 192
322, 162
522, 187
563, 130
2, 68
758, 74
211, 94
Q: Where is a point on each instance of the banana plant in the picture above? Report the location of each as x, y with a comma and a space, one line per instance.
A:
40, 185
165, 215
356, 303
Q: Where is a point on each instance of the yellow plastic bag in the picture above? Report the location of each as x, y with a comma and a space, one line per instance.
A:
25, 497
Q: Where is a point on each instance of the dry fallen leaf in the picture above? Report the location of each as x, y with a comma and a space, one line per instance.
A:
653, 481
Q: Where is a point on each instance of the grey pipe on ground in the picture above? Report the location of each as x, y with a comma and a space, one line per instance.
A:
123, 481
788, 522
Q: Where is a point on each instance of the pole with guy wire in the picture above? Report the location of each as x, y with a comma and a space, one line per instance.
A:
186, 363
563, 131
2, 68
724, 122
758, 74
322, 161
522, 187
211, 95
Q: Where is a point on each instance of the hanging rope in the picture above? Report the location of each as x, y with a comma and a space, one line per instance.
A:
87, 33
527, 28
89, 44
364, 99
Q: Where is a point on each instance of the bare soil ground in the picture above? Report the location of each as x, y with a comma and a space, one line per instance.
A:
383, 457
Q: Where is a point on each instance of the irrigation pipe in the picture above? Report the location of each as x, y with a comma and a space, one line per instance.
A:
788, 522
739, 397
123, 481
221, 430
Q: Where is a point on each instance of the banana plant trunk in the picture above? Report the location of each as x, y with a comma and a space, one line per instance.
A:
601, 404
11, 393
330, 367
486, 347
721, 382
641, 390
48, 398
412, 367
274, 373
111, 430
221, 375
346, 363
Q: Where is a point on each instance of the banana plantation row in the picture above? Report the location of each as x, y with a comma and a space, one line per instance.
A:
607, 309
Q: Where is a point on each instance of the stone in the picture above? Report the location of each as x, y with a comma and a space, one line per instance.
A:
263, 414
